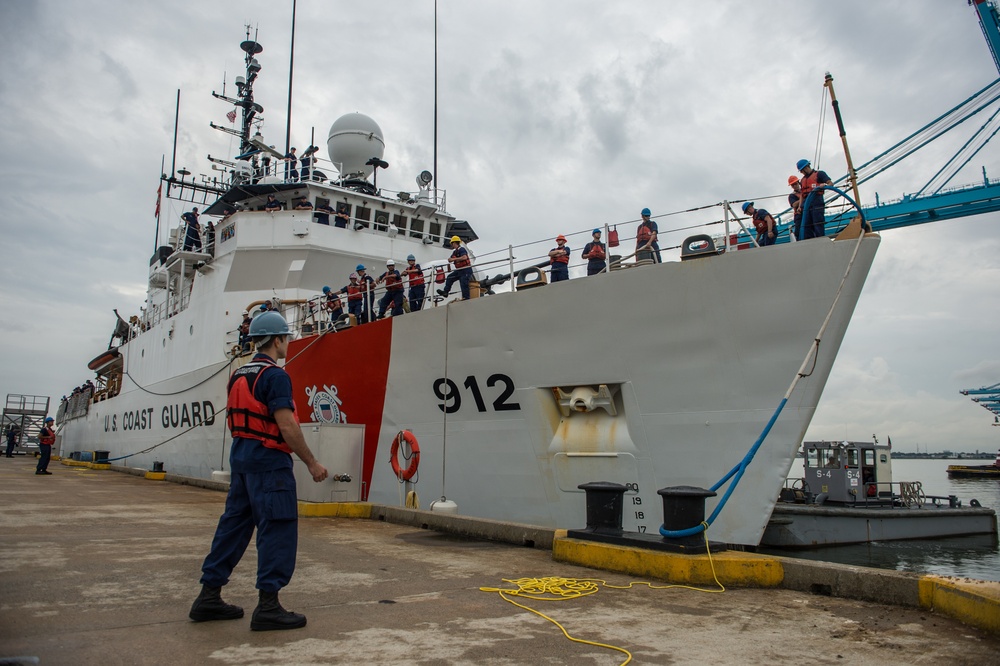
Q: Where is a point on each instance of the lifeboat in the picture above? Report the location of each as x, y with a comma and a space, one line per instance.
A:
105, 361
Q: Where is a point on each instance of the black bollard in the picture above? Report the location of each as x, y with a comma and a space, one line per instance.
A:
605, 502
683, 508
157, 466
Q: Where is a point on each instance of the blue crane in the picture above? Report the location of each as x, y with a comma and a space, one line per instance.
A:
990, 399
932, 202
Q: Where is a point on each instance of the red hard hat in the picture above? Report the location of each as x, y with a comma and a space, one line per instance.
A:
792, 180
560, 237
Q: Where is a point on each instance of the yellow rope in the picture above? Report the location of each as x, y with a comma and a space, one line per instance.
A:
554, 588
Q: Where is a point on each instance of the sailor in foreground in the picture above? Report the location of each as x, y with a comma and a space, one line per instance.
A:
46, 438
265, 429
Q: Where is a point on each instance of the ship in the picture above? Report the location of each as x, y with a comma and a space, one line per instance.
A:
499, 406
976, 471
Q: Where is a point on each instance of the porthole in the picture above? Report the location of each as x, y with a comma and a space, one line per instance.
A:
191, 330
142, 354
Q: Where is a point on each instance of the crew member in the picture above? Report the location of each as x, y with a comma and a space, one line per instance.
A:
303, 204
272, 205
393, 290
291, 162
342, 217
322, 213
354, 297
46, 438
559, 260
333, 305
795, 202
814, 209
595, 253
415, 275
463, 269
646, 246
245, 331
367, 283
763, 222
192, 235
261, 417
13, 430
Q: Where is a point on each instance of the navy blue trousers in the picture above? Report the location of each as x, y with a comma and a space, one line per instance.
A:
265, 501
462, 276
45, 454
416, 297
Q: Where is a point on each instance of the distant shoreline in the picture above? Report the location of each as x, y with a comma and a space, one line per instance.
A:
944, 455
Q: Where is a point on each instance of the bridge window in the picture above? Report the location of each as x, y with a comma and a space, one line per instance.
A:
363, 216
400, 222
435, 230
417, 228
381, 220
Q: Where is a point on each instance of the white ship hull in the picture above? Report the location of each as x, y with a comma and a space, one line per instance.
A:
695, 355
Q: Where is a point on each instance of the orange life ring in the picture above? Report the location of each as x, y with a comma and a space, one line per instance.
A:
411, 469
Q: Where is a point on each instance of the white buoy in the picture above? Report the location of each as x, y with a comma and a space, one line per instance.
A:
444, 505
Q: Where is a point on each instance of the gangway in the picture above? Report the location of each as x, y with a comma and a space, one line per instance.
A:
27, 413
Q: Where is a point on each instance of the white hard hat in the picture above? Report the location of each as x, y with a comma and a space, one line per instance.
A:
390, 262
246, 312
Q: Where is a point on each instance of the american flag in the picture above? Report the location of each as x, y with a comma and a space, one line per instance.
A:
232, 116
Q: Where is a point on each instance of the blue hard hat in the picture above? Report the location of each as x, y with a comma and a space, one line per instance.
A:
595, 231
410, 257
326, 290
359, 267
49, 419
747, 205
802, 164
645, 211
267, 324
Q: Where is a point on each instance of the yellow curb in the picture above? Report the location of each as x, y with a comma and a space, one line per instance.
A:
731, 568
335, 509
156, 476
74, 463
974, 602
93, 465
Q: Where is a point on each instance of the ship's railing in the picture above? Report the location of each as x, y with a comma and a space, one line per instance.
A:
873, 494
278, 171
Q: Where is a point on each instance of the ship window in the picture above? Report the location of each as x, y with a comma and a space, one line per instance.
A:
852, 457
362, 217
417, 228
883, 458
869, 457
435, 231
381, 220
399, 221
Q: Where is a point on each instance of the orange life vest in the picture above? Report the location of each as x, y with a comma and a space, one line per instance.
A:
809, 183
354, 292
393, 282
415, 274
461, 260
597, 251
47, 436
562, 258
248, 417
645, 233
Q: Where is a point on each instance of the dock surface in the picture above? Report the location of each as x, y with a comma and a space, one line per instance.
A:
99, 567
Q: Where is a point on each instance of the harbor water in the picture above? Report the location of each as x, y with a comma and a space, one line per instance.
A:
971, 557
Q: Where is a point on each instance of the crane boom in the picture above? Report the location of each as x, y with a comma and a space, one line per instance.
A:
989, 21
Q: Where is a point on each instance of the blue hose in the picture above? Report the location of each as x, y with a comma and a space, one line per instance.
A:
739, 469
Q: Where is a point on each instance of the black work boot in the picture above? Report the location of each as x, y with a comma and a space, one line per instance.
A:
210, 606
270, 616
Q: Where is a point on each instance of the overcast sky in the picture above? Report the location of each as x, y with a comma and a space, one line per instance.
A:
554, 117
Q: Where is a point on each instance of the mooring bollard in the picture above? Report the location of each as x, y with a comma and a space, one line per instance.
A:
605, 502
683, 508
157, 466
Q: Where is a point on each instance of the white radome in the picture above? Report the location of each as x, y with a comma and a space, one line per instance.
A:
353, 140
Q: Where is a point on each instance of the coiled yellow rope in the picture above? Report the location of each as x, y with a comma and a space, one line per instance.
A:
554, 588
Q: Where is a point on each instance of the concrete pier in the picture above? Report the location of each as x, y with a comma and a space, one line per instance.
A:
99, 567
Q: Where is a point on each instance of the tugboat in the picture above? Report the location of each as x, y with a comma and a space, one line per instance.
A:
847, 495
975, 471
